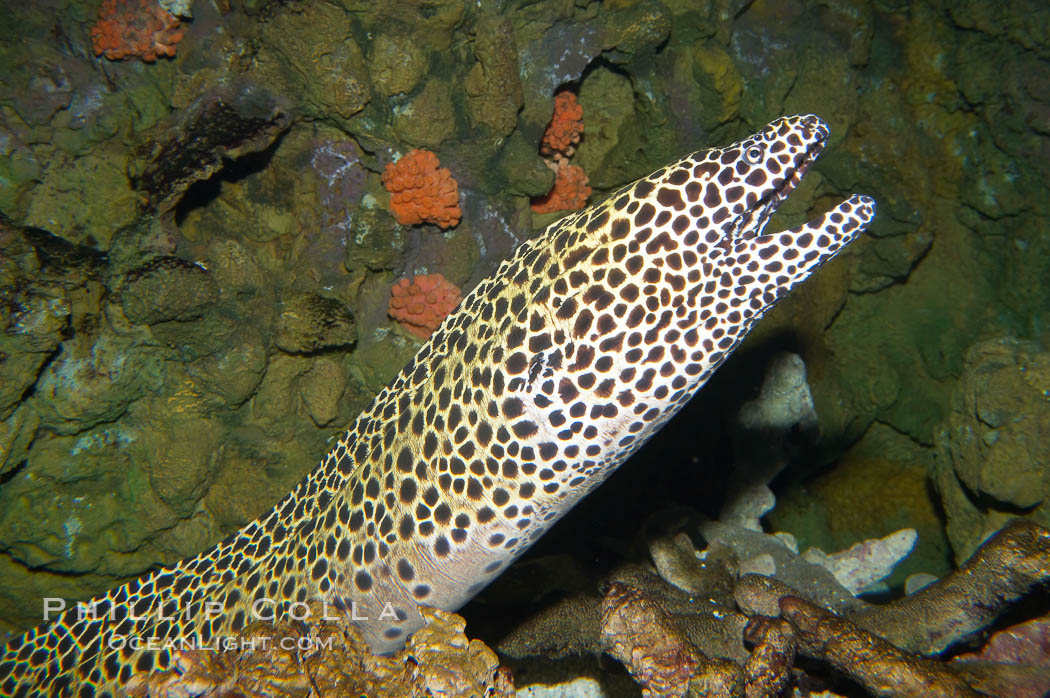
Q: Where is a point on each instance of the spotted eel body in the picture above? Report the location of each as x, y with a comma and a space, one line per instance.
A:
548, 376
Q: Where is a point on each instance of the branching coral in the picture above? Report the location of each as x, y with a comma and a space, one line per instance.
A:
570, 191
421, 191
421, 303
134, 29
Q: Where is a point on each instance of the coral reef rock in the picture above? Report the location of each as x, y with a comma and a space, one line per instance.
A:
166, 289
760, 432
309, 322
640, 633
866, 563
582, 687
871, 661
493, 86
196, 142
325, 656
309, 54
397, 64
429, 118
994, 446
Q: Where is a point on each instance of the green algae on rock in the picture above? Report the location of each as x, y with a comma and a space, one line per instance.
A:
378, 241
397, 63
880, 484
87, 198
78, 391
311, 54
426, 119
166, 289
309, 322
493, 85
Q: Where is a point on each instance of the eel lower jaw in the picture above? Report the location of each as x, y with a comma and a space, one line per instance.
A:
818, 239
842, 223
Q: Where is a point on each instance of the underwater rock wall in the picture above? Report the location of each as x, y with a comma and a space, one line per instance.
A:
994, 447
182, 335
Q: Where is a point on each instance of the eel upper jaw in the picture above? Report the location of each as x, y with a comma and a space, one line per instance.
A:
753, 221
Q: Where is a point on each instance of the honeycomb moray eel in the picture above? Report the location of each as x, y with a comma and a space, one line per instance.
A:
548, 376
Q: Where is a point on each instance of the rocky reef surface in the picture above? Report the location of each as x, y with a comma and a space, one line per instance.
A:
197, 254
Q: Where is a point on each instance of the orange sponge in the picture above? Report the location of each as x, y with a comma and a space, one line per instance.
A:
420, 304
565, 129
421, 191
134, 29
569, 193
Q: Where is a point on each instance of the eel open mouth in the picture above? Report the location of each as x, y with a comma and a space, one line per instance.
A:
754, 221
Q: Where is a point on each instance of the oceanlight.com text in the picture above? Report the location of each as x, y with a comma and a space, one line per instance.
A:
220, 644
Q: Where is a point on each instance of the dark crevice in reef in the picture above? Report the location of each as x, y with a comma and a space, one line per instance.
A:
7, 476
201, 194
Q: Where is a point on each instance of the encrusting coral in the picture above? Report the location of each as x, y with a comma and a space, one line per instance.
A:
421, 303
134, 29
421, 191
570, 191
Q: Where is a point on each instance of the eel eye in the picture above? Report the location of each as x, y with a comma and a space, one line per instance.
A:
754, 154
